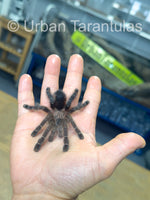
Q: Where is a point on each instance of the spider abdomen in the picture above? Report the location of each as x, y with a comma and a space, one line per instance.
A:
60, 119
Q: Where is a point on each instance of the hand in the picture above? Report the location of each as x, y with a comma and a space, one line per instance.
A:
51, 173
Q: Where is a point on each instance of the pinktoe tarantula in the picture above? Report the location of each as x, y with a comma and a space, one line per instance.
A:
58, 118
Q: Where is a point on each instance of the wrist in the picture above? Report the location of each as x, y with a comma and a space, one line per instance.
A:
32, 196
36, 197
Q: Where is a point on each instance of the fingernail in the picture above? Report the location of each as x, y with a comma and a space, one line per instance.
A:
144, 143
54, 58
95, 83
76, 63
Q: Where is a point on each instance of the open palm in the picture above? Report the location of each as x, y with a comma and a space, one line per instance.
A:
52, 172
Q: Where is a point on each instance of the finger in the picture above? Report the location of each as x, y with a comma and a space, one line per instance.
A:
113, 152
51, 77
74, 76
93, 95
25, 94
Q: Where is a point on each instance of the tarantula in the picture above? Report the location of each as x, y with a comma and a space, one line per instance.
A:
57, 118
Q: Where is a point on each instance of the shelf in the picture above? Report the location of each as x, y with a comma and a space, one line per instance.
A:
8, 66
10, 49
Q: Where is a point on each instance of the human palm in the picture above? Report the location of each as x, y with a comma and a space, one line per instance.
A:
52, 172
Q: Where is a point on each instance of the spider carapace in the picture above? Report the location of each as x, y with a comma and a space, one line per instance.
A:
57, 118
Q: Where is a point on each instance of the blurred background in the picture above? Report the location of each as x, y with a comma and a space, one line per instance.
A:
113, 37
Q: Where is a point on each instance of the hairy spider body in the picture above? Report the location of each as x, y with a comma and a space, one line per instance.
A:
57, 119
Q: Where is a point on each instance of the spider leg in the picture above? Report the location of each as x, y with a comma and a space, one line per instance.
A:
36, 107
41, 140
80, 135
51, 137
78, 107
60, 131
73, 96
50, 96
66, 140
38, 128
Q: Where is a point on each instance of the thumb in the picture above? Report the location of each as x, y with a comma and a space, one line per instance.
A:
113, 152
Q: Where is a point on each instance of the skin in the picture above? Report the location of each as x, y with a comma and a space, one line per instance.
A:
51, 173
